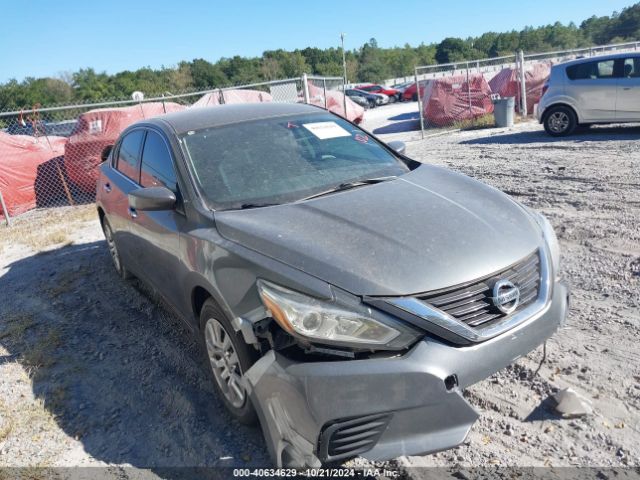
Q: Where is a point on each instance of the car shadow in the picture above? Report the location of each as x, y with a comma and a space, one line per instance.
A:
593, 134
406, 116
113, 368
398, 127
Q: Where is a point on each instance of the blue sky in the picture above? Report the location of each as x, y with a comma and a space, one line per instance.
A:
46, 38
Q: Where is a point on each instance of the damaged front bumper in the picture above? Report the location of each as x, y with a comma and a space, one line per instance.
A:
381, 408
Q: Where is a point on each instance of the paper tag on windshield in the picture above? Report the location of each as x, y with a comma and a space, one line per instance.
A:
324, 130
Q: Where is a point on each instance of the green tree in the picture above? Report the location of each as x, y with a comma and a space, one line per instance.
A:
371, 65
205, 74
451, 50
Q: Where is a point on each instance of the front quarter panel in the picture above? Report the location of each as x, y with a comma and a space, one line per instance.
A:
228, 271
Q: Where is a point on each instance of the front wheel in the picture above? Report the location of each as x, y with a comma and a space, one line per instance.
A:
392, 99
372, 104
560, 121
228, 358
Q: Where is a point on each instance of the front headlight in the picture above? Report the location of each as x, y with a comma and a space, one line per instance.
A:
328, 323
550, 238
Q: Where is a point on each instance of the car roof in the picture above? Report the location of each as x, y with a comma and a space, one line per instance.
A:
598, 58
215, 116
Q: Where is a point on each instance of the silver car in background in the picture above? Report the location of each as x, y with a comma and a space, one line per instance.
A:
603, 89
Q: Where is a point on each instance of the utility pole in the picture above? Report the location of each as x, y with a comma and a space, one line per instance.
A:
344, 58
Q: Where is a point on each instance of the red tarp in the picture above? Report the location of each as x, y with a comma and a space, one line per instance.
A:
453, 99
99, 128
505, 83
232, 96
335, 103
26, 166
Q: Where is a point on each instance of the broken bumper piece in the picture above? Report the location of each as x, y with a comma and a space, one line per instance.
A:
382, 408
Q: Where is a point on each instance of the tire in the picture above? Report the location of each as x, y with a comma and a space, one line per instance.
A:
560, 121
227, 357
392, 99
414, 97
372, 104
113, 250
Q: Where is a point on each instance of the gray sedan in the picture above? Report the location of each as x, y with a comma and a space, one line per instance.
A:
343, 294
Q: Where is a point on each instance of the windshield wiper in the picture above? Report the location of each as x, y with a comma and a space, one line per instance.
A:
245, 206
350, 185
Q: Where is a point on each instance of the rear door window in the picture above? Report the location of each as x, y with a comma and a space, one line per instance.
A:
129, 154
631, 68
157, 166
591, 70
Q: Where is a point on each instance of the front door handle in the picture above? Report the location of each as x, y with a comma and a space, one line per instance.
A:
132, 212
626, 88
107, 187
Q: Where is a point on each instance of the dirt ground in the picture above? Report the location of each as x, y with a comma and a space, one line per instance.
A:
93, 371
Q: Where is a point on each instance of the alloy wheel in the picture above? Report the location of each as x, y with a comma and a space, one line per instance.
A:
224, 362
558, 122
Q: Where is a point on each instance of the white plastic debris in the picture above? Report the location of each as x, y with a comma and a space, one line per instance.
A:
570, 404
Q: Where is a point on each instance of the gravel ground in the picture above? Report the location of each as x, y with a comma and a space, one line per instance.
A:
93, 371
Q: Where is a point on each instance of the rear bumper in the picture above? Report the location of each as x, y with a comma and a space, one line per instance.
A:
297, 402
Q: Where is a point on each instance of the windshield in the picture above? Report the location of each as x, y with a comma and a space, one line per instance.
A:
283, 159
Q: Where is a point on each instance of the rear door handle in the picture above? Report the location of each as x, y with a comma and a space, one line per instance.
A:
132, 212
107, 187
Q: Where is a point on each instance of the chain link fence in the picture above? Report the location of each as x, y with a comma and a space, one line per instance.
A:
50, 155
461, 94
458, 94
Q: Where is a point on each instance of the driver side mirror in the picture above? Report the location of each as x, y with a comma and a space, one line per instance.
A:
398, 146
152, 199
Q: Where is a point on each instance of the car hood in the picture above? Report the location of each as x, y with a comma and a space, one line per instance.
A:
427, 230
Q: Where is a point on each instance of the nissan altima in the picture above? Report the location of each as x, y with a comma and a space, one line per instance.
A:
343, 294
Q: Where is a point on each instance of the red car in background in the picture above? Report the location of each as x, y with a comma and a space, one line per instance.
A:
410, 93
392, 93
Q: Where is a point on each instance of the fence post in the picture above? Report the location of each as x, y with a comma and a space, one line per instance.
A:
344, 94
324, 90
4, 210
305, 88
415, 71
469, 95
523, 87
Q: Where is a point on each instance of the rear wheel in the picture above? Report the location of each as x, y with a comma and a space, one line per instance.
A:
392, 99
113, 250
414, 97
228, 358
560, 121
372, 104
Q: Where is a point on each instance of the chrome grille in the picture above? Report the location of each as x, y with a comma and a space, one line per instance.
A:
471, 303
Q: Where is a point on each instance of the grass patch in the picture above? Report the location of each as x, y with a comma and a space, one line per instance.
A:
41, 353
16, 326
485, 121
41, 229
66, 281
5, 422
